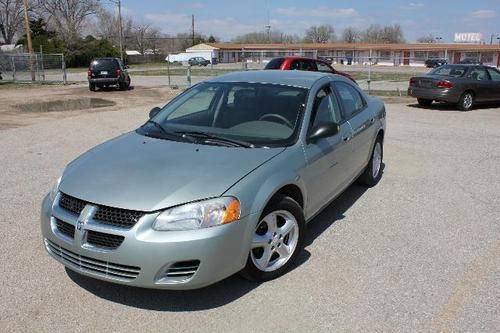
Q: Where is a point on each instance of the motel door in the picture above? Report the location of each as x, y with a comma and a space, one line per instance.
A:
406, 58
456, 57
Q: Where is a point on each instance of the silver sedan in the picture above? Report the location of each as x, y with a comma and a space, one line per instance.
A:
223, 179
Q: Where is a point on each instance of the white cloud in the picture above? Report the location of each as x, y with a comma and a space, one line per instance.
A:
484, 14
322, 11
416, 5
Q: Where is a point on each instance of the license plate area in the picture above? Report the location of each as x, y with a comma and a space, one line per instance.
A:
104, 73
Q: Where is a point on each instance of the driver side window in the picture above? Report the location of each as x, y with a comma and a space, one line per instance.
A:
326, 108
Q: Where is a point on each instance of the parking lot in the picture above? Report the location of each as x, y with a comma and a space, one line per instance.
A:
418, 252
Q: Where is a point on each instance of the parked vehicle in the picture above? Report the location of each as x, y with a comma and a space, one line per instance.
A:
1, 77
198, 61
105, 72
470, 61
304, 64
222, 179
434, 63
464, 85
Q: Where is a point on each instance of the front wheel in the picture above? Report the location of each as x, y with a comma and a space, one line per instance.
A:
373, 172
92, 86
277, 240
466, 102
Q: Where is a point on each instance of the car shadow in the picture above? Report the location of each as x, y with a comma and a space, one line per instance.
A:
453, 107
225, 291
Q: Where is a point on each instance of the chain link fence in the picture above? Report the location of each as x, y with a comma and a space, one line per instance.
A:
38, 67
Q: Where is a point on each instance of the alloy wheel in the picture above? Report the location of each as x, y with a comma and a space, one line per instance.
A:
274, 241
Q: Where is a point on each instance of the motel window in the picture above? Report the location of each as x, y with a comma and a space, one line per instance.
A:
420, 55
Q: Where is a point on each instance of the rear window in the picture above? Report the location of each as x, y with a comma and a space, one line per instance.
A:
448, 70
275, 63
99, 64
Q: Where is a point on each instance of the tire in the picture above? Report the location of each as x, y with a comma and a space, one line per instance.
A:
122, 86
424, 102
92, 86
373, 172
466, 101
284, 211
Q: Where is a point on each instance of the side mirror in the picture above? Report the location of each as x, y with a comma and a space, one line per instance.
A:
323, 130
154, 111
126, 67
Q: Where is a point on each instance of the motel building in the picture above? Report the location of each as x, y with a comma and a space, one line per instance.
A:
352, 54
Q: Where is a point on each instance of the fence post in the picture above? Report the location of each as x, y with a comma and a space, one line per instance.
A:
168, 72
189, 76
13, 68
42, 67
37, 71
65, 77
369, 75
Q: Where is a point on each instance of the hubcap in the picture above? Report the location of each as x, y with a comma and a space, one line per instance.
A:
274, 241
467, 101
377, 159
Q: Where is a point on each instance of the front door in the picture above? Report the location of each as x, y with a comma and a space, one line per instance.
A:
327, 172
406, 58
457, 57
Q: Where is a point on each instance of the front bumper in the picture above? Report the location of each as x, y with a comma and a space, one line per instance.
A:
146, 258
441, 95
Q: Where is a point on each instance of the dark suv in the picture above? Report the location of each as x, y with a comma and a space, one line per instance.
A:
105, 72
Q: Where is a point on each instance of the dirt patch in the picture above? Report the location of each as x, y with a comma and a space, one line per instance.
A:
65, 105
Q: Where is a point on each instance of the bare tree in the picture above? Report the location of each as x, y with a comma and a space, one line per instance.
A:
11, 19
383, 34
68, 16
351, 35
261, 37
426, 39
320, 34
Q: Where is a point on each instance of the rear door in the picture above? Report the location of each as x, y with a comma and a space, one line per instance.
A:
481, 83
357, 112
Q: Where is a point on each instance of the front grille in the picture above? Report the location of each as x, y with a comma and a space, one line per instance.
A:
123, 218
65, 228
94, 266
182, 270
117, 217
71, 204
104, 240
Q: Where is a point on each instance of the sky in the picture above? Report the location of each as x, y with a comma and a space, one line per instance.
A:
227, 19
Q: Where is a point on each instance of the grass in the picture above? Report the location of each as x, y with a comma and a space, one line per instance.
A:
382, 76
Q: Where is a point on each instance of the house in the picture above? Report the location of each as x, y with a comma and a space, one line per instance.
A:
381, 54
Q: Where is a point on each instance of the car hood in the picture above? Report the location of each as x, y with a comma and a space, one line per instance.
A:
147, 174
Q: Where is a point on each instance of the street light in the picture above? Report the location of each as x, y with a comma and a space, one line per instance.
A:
438, 39
119, 4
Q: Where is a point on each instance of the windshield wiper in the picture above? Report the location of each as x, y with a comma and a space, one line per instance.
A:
167, 134
216, 138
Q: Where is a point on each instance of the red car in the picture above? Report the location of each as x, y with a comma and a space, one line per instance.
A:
304, 64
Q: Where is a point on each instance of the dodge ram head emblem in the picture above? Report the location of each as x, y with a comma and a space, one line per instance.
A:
86, 214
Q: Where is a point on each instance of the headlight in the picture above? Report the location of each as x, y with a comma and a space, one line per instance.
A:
203, 214
55, 189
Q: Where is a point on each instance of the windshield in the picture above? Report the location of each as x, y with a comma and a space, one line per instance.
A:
255, 113
450, 70
103, 64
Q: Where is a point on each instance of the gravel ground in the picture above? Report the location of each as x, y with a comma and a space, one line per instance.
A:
419, 252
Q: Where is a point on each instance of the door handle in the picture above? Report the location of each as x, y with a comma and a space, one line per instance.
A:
347, 138
372, 120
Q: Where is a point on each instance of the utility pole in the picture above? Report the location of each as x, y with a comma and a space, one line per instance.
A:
121, 28
28, 38
192, 30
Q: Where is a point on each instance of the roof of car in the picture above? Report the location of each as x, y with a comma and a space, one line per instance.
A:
292, 78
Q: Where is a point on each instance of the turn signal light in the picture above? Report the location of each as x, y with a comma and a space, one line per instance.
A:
118, 72
444, 84
89, 72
